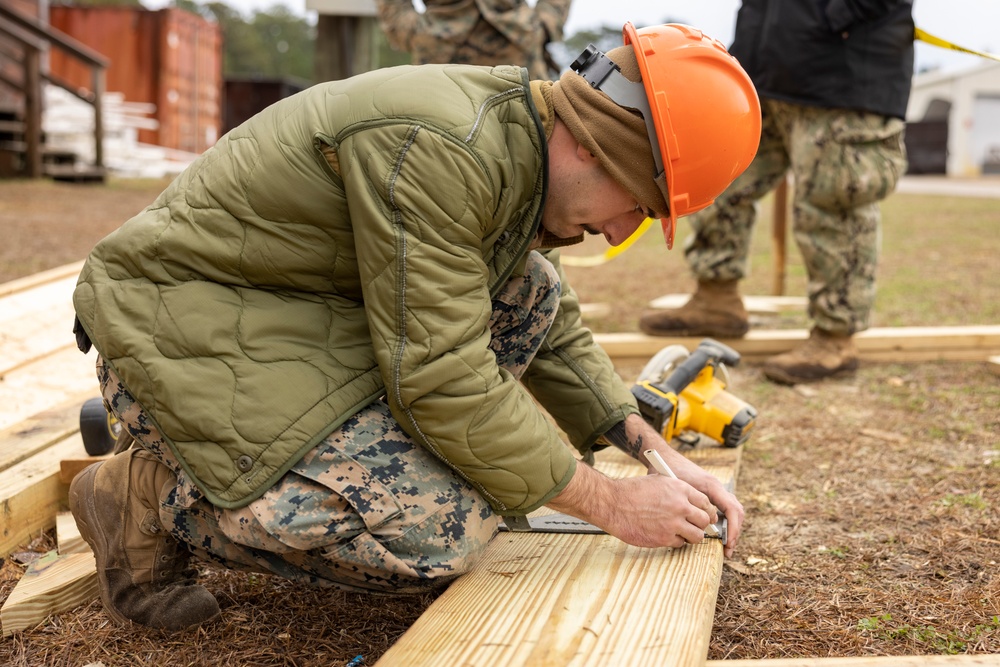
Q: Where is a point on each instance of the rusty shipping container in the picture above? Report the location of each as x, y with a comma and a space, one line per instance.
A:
169, 57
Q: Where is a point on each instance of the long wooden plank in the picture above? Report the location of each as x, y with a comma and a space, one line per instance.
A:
868, 661
35, 323
40, 278
957, 343
549, 599
45, 383
31, 494
762, 305
32, 435
53, 584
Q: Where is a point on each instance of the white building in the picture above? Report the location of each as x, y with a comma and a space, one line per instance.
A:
961, 108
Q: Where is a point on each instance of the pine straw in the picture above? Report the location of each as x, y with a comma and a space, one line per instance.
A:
873, 528
873, 522
265, 621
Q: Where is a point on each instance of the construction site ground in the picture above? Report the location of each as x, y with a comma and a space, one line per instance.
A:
873, 502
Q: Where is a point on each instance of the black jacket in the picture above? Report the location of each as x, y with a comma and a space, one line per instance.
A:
849, 54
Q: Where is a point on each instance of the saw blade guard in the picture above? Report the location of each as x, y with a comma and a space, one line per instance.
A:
663, 364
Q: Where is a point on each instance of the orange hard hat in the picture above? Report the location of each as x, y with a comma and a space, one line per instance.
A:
705, 111
701, 111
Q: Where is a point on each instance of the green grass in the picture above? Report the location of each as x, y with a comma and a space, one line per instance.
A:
939, 262
939, 640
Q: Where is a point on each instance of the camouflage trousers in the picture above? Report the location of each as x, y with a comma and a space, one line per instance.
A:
471, 32
843, 164
366, 509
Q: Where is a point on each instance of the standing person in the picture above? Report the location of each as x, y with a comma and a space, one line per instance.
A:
477, 32
834, 80
331, 335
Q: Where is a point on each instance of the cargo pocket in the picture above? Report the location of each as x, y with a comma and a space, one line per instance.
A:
328, 498
865, 161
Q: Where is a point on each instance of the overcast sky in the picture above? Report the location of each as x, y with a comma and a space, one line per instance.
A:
974, 24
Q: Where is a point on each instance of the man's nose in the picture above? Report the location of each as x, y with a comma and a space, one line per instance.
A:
623, 227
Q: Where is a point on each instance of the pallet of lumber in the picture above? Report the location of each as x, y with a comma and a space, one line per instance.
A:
563, 599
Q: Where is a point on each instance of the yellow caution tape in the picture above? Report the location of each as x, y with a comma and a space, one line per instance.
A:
925, 36
610, 253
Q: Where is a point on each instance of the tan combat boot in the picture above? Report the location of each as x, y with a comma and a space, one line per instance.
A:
142, 571
824, 355
715, 309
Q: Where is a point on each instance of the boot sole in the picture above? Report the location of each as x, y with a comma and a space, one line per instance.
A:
783, 377
81, 504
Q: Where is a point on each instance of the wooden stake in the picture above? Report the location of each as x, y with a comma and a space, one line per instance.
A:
779, 232
51, 585
68, 535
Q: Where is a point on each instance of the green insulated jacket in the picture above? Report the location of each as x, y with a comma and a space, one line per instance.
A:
342, 245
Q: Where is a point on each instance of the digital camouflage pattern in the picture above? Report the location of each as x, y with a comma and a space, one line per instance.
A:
477, 32
367, 509
843, 163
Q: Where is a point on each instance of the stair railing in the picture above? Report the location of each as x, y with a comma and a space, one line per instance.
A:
35, 37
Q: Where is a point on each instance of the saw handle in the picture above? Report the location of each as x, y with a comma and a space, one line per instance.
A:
708, 351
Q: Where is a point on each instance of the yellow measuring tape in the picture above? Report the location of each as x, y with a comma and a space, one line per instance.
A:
925, 36
614, 251
610, 253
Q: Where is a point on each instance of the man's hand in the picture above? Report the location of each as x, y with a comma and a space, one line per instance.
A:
652, 511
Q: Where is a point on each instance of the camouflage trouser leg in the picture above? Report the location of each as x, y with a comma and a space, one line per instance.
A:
844, 163
367, 508
720, 243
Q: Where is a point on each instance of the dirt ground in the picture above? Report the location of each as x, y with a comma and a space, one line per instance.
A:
873, 502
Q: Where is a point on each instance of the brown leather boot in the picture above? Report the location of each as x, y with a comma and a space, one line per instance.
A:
142, 571
824, 355
715, 309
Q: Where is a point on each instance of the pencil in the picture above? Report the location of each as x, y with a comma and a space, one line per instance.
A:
661, 467
658, 463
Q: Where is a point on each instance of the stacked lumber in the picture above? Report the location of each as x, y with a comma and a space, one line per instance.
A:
68, 123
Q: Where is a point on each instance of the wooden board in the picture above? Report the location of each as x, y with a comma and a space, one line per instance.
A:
868, 661
34, 434
41, 278
549, 599
70, 468
45, 383
36, 323
31, 494
68, 538
51, 585
894, 344
761, 305
994, 364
